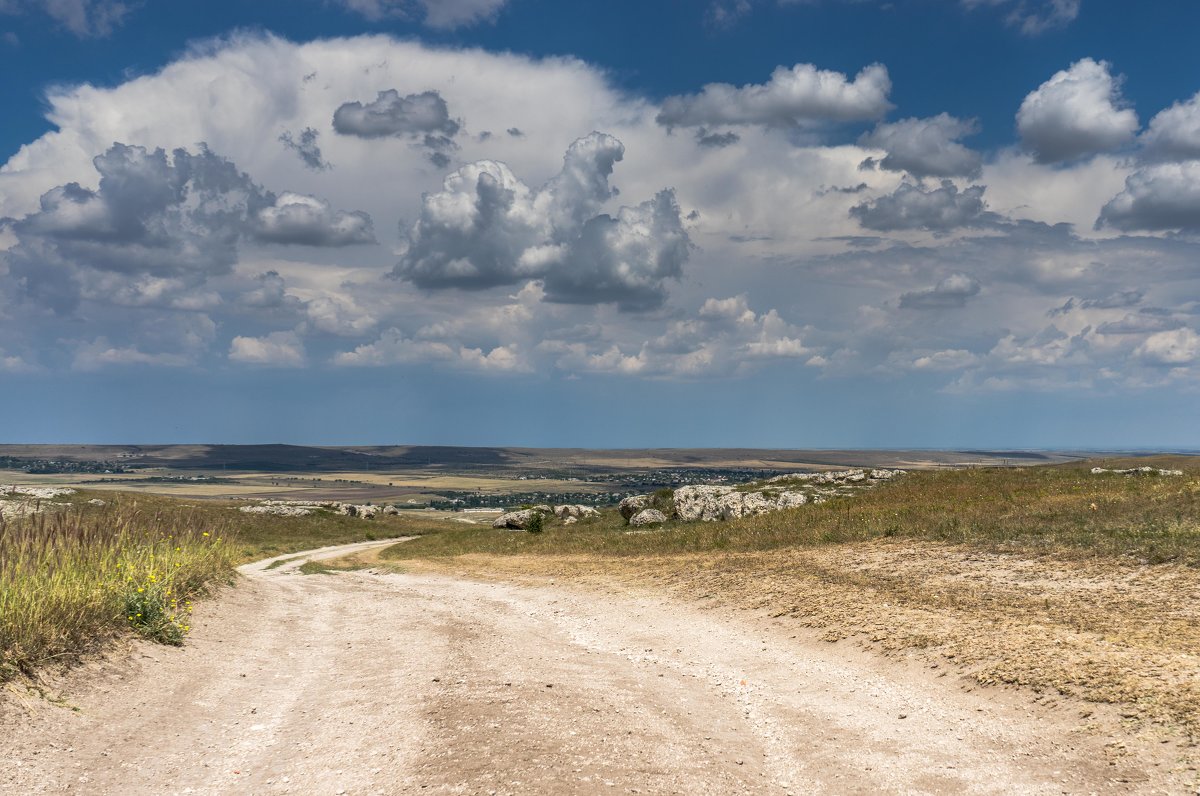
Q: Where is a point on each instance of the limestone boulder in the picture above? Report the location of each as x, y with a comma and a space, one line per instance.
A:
701, 502
791, 500
647, 517
575, 511
515, 520
634, 505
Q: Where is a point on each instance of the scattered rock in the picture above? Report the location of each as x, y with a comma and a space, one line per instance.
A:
515, 520
576, 511
632, 505
96, 502
647, 517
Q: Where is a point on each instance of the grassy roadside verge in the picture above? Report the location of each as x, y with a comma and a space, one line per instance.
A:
71, 580
76, 578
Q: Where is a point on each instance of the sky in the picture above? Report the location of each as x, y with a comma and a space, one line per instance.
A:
685, 223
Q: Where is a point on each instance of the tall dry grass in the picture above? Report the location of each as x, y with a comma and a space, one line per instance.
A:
73, 579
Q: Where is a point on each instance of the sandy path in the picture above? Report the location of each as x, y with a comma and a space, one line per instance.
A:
363, 683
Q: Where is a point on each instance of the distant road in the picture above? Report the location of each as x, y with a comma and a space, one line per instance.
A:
364, 683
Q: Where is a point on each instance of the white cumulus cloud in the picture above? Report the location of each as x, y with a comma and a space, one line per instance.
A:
1078, 111
277, 349
800, 96
486, 228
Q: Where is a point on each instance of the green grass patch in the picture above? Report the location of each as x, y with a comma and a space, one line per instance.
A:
329, 567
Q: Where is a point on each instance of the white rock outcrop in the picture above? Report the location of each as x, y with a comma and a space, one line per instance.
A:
1137, 471
574, 511
278, 510
302, 508
34, 492
710, 503
515, 520
701, 502
647, 517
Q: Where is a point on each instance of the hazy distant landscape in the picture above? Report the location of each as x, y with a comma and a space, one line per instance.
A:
424, 475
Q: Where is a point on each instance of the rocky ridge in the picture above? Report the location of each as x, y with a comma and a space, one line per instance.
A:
20, 500
706, 503
303, 508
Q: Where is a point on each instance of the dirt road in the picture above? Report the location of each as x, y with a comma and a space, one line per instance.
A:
365, 683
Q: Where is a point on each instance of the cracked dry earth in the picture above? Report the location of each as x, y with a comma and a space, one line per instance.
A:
370, 683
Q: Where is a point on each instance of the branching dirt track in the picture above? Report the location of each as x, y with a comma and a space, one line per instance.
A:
365, 683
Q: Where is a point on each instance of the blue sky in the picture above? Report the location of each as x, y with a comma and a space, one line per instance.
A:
934, 223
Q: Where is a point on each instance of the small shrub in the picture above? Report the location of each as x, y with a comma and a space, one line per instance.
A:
664, 501
536, 523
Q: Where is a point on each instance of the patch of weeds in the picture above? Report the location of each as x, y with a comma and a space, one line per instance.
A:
154, 612
279, 563
537, 523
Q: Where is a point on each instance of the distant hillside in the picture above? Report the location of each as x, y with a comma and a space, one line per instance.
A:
305, 458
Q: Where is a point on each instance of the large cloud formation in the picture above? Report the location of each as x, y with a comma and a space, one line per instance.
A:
165, 216
801, 96
1076, 112
184, 260
487, 228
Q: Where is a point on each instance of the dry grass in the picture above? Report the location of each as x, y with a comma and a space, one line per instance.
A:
72, 579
